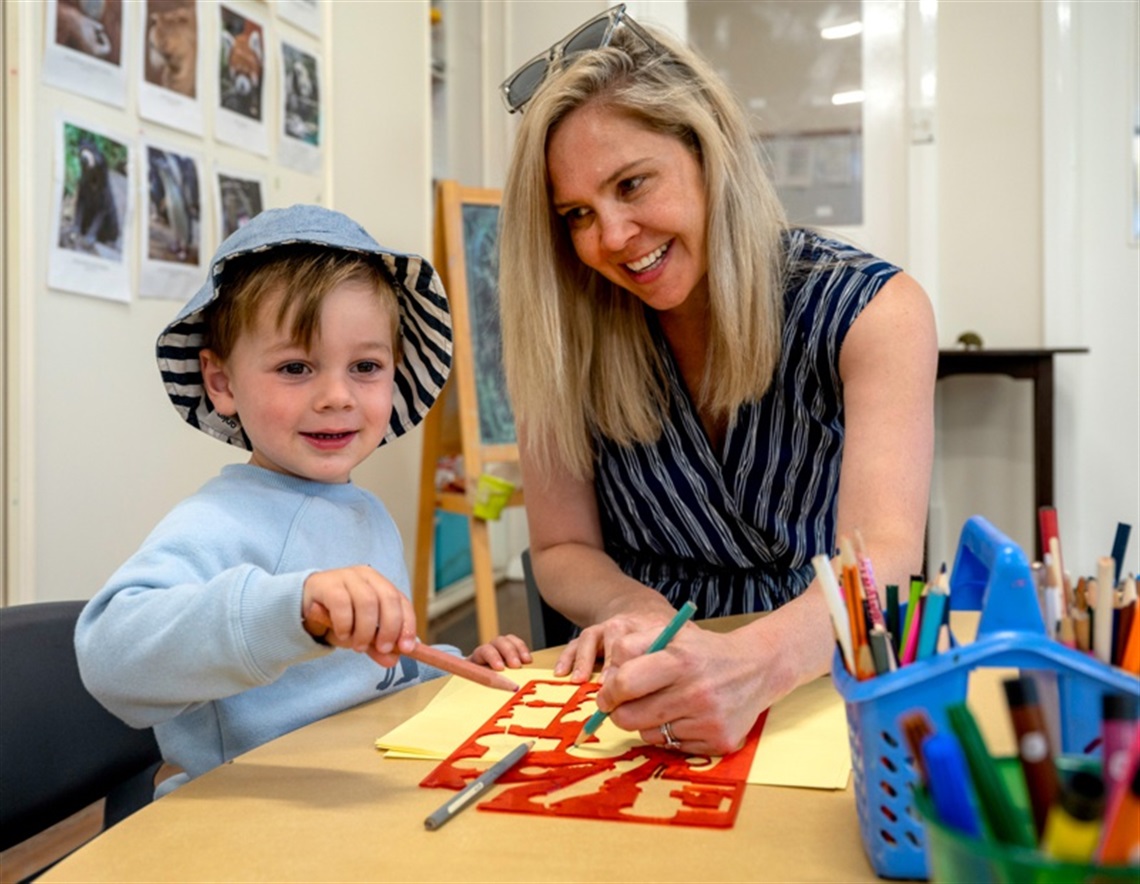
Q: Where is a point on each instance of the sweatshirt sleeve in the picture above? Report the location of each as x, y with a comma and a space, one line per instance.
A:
175, 627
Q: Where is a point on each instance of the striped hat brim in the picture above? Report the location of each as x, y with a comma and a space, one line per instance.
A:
425, 320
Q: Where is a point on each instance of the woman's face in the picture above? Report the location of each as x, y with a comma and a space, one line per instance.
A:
633, 201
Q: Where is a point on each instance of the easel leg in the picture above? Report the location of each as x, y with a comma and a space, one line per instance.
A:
486, 606
425, 522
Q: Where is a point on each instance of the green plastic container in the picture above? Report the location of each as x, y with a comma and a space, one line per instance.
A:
492, 494
954, 858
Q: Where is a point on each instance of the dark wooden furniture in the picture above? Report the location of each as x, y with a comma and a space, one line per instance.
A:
1035, 365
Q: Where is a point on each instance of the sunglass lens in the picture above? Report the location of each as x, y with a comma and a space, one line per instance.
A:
590, 37
525, 82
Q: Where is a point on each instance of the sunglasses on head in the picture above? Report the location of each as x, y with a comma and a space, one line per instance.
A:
519, 87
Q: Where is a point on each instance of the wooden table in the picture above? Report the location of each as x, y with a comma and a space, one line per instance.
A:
321, 804
1035, 366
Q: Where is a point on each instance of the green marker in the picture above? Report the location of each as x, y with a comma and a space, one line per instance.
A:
679, 619
1005, 821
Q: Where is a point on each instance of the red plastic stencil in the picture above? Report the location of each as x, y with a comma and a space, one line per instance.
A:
644, 783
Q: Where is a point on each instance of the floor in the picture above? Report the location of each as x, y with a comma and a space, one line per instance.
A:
457, 627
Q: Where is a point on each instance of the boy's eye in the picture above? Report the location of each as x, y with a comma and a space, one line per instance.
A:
293, 368
368, 367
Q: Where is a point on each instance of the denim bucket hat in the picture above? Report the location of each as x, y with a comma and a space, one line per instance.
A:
425, 322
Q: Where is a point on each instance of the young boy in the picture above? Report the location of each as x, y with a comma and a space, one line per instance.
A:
309, 345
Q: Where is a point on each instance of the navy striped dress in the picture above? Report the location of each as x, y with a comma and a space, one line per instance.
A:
735, 531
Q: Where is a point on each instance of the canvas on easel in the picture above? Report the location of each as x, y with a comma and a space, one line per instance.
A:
474, 418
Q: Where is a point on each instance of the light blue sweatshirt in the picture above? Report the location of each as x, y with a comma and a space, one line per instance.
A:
199, 633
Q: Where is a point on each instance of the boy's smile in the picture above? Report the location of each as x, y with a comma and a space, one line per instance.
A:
313, 413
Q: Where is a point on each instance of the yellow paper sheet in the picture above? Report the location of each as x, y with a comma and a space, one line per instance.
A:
804, 742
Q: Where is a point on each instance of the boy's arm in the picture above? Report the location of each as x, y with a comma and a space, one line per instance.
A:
176, 626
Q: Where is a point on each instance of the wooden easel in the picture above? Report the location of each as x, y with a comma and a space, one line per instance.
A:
456, 260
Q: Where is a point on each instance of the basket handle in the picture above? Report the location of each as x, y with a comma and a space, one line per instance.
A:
991, 573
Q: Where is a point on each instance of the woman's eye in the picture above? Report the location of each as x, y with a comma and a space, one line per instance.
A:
629, 185
576, 217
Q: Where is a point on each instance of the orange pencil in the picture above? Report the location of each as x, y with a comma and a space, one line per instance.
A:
1125, 614
1081, 625
1130, 659
460, 666
864, 662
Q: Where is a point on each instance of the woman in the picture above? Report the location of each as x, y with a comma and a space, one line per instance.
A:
706, 398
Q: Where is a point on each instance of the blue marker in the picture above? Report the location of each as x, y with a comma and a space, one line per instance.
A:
948, 783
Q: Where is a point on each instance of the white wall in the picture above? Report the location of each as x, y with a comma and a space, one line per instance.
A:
100, 455
381, 176
1092, 269
990, 257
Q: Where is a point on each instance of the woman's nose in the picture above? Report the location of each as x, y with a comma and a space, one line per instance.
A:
616, 228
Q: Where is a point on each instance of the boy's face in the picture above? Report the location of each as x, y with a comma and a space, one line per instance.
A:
313, 413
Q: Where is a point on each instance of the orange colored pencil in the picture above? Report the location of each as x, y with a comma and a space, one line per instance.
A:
460, 666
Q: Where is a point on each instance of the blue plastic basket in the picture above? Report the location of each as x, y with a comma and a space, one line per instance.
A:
990, 574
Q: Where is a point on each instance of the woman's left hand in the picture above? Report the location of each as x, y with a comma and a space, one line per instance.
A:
708, 687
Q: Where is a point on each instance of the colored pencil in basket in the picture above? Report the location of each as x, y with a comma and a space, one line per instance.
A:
836, 608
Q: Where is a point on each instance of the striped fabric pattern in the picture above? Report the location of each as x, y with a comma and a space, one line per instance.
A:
735, 531
425, 320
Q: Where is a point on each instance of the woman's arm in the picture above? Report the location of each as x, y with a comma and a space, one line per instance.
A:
712, 687
574, 573
888, 365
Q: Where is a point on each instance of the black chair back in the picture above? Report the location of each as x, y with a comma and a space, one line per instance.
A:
60, 750
548, 627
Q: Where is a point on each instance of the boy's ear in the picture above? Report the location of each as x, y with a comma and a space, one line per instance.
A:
217, 382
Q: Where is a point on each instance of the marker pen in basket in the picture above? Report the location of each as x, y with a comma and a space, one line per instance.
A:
893, 615
1033, 747
1120, 839
1005, 820
1119, 727
1120, 547
1074, 825
948, 782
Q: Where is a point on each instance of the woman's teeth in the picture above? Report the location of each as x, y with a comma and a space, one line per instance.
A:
648, 261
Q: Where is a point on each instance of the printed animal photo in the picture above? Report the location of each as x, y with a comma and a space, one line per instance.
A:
240, 200
94, 193
302, 96
175, 207
171, 46
93, 27
241, 65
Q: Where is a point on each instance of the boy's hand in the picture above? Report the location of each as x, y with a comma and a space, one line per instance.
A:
504, 651
359, 609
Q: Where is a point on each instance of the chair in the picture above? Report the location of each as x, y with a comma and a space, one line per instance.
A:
60, 750
548, 627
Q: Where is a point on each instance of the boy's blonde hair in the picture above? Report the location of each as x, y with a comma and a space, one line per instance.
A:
305, 274
578, 352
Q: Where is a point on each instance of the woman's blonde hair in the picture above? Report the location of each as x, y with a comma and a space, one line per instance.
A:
577, 349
